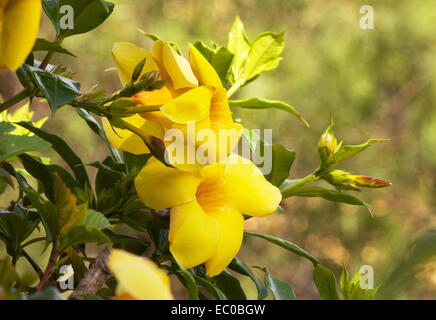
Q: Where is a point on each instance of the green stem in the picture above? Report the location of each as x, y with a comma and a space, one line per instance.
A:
50, 54
34, 265
299, 183
235, 87
49, 269
14, 100
135, 130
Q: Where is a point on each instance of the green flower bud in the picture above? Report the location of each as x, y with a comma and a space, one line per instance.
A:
327, 147
344, 180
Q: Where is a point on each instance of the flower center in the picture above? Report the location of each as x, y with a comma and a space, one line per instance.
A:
211, 194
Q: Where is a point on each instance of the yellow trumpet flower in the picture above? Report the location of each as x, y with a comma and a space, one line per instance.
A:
193, 94
206, 222
19, 24
138, 278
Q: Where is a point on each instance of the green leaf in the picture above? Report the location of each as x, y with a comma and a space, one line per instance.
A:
217, 293
207, 52
88, 14
348, 151
286, 245
5, 180
325, 282
331, 195
264, 54
57, 89
352, 290
16, 226
40, 172
138, 70
13, 145
282, 160
280, 289
258, 103
47, 212
108, 175
239, 45
62, 148
221, 62
240, 267
189, 283
89, 229
45, 45
230, 285
68, 214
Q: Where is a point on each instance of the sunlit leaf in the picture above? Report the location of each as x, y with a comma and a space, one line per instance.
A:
264, 54
258, 103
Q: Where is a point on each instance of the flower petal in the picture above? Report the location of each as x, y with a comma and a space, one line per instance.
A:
231, 233
204, 72
138, 277
193, 105
193, 234
126, 140
177, 67
19, 31
247, 189
161, 187
127, 55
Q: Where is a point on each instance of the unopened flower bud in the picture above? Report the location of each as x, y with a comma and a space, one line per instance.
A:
327, 147
370, 182
345, 180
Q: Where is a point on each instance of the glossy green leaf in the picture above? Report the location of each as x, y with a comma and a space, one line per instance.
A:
264, 54
57, 89
89, 229
47, 212
88, 14
286, 245
190, 284
258, 103
13, 145
282, 160
221, 62
348, 151
280, 289
240, 267
40, 172
216, 292
45, 45
62, 148
325, 282
16, 226
230, 285
205, 50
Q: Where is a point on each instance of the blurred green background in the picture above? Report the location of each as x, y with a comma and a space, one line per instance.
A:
375, 83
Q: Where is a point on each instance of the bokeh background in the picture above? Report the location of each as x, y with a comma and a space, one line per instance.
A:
375, 83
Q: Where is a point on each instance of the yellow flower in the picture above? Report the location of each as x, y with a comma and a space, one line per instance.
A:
206, 224
193, 94
23, 113
138, 278
19, 24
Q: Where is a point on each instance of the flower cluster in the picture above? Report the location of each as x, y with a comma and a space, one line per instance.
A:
192, 94
206, 204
